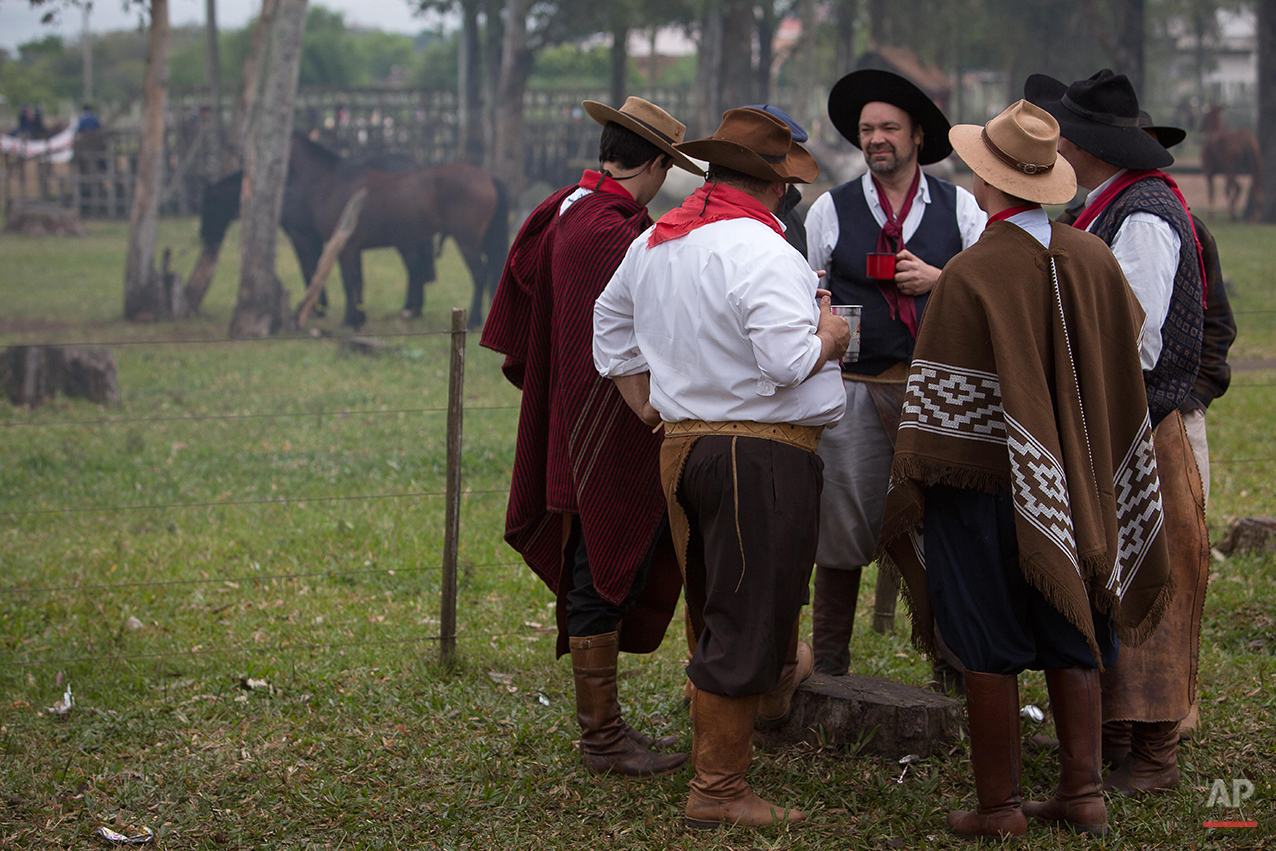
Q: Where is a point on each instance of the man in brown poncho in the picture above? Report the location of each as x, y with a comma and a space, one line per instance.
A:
1024, 513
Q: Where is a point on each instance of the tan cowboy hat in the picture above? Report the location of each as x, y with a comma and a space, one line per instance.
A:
648, 121
1017, 152
758, 144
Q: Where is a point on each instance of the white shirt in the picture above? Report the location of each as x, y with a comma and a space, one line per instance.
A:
724, 318
822, 230
1148, 250
1035, 222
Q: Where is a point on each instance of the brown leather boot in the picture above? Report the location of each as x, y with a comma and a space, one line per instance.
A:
992, 706
1153, 764
607, 743
722, 740
773, 707
1116, 743
1078, 719
833, 618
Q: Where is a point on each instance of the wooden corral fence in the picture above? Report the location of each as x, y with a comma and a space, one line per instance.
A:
416, 124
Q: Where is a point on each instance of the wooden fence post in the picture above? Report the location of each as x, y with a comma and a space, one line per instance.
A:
452, 515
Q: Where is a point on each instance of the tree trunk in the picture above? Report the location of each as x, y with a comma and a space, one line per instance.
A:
238, 143
846, 12
142, 286
878, 25
493, 50
619, 59
1130, 43
737, 55
516, 63
470, 90
262, 304
708, 89
214, 88
808, 106
1266, 38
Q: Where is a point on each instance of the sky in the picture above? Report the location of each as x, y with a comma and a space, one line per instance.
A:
20, 23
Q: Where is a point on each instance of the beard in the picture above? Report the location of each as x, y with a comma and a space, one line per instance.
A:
883, 165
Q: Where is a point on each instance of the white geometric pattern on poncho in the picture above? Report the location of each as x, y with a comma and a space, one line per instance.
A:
1041, 490
1138, 505
943, 399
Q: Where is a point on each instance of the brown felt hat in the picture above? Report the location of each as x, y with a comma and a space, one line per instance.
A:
1017, 152
648, 121
758, 144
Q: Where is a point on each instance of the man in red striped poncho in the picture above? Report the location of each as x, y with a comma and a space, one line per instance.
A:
586, 508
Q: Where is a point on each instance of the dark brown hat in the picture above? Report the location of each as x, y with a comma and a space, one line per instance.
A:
755, 143
1099, 115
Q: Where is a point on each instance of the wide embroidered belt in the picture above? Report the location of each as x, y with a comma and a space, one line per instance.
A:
806, 438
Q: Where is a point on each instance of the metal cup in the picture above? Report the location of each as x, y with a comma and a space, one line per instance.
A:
851, 313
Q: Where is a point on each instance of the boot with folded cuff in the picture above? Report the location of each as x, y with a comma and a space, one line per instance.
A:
607, 743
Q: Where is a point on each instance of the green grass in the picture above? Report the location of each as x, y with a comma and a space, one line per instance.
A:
363, 739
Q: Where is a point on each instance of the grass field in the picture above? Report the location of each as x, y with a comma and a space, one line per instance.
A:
269, 512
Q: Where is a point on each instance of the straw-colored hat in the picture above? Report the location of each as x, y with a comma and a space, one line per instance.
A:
648, 121
1017, 152
758, 144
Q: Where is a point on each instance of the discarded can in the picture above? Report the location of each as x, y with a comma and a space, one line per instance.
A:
136, 835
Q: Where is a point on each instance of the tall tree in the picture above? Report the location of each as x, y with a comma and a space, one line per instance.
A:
516, 64
1121, 34
470, 85
214, 83
143, 288
1266, 38
262, 304
244, 108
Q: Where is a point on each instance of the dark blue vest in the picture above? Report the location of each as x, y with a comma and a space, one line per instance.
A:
885, 341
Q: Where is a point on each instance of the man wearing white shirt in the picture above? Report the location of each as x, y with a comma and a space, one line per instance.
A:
1138, 211
711, 325
893, 209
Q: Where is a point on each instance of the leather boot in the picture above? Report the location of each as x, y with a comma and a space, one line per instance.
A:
722, 741
1116, 743
773, 707
992, 706
833, 618
1153, 764
607, 743
1078, 719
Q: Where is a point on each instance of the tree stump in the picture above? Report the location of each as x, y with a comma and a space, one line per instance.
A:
1250, 535
31, 374
885, 718
44, 220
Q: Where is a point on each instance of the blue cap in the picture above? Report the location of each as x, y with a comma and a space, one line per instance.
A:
799, 135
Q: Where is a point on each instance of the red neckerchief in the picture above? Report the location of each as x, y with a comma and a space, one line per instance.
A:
712, 202
1098, 205
598, 182
891, 241
1012, 211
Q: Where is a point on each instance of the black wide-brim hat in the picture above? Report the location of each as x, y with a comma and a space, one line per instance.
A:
858, 88
1099, 115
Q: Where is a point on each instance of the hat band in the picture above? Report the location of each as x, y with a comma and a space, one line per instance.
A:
655, 130
1026, 168
1099, 117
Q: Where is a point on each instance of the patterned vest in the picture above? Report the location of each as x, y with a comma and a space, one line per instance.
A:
1170, 380
884, 341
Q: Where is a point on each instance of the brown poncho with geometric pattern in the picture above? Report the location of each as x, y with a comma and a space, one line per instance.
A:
1026, 379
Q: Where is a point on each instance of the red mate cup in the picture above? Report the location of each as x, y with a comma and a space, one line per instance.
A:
881, 267
851, 313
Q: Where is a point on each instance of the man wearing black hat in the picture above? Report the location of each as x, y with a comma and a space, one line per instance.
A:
1137, 209
711, 326
915, 223
586, 510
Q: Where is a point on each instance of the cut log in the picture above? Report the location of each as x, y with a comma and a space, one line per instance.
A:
31, 374
364, 345
331, 250
881, 717
44, 220
1250, 535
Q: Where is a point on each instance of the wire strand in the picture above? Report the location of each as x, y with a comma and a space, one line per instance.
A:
282, 500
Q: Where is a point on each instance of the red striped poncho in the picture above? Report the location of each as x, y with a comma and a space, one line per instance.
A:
580, 450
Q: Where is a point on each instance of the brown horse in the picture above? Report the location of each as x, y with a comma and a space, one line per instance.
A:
1231, 152
407, 208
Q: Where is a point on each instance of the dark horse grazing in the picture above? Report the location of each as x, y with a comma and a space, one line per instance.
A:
1229, 152
406, 208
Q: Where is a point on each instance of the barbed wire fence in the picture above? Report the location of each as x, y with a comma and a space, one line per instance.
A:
446, 638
